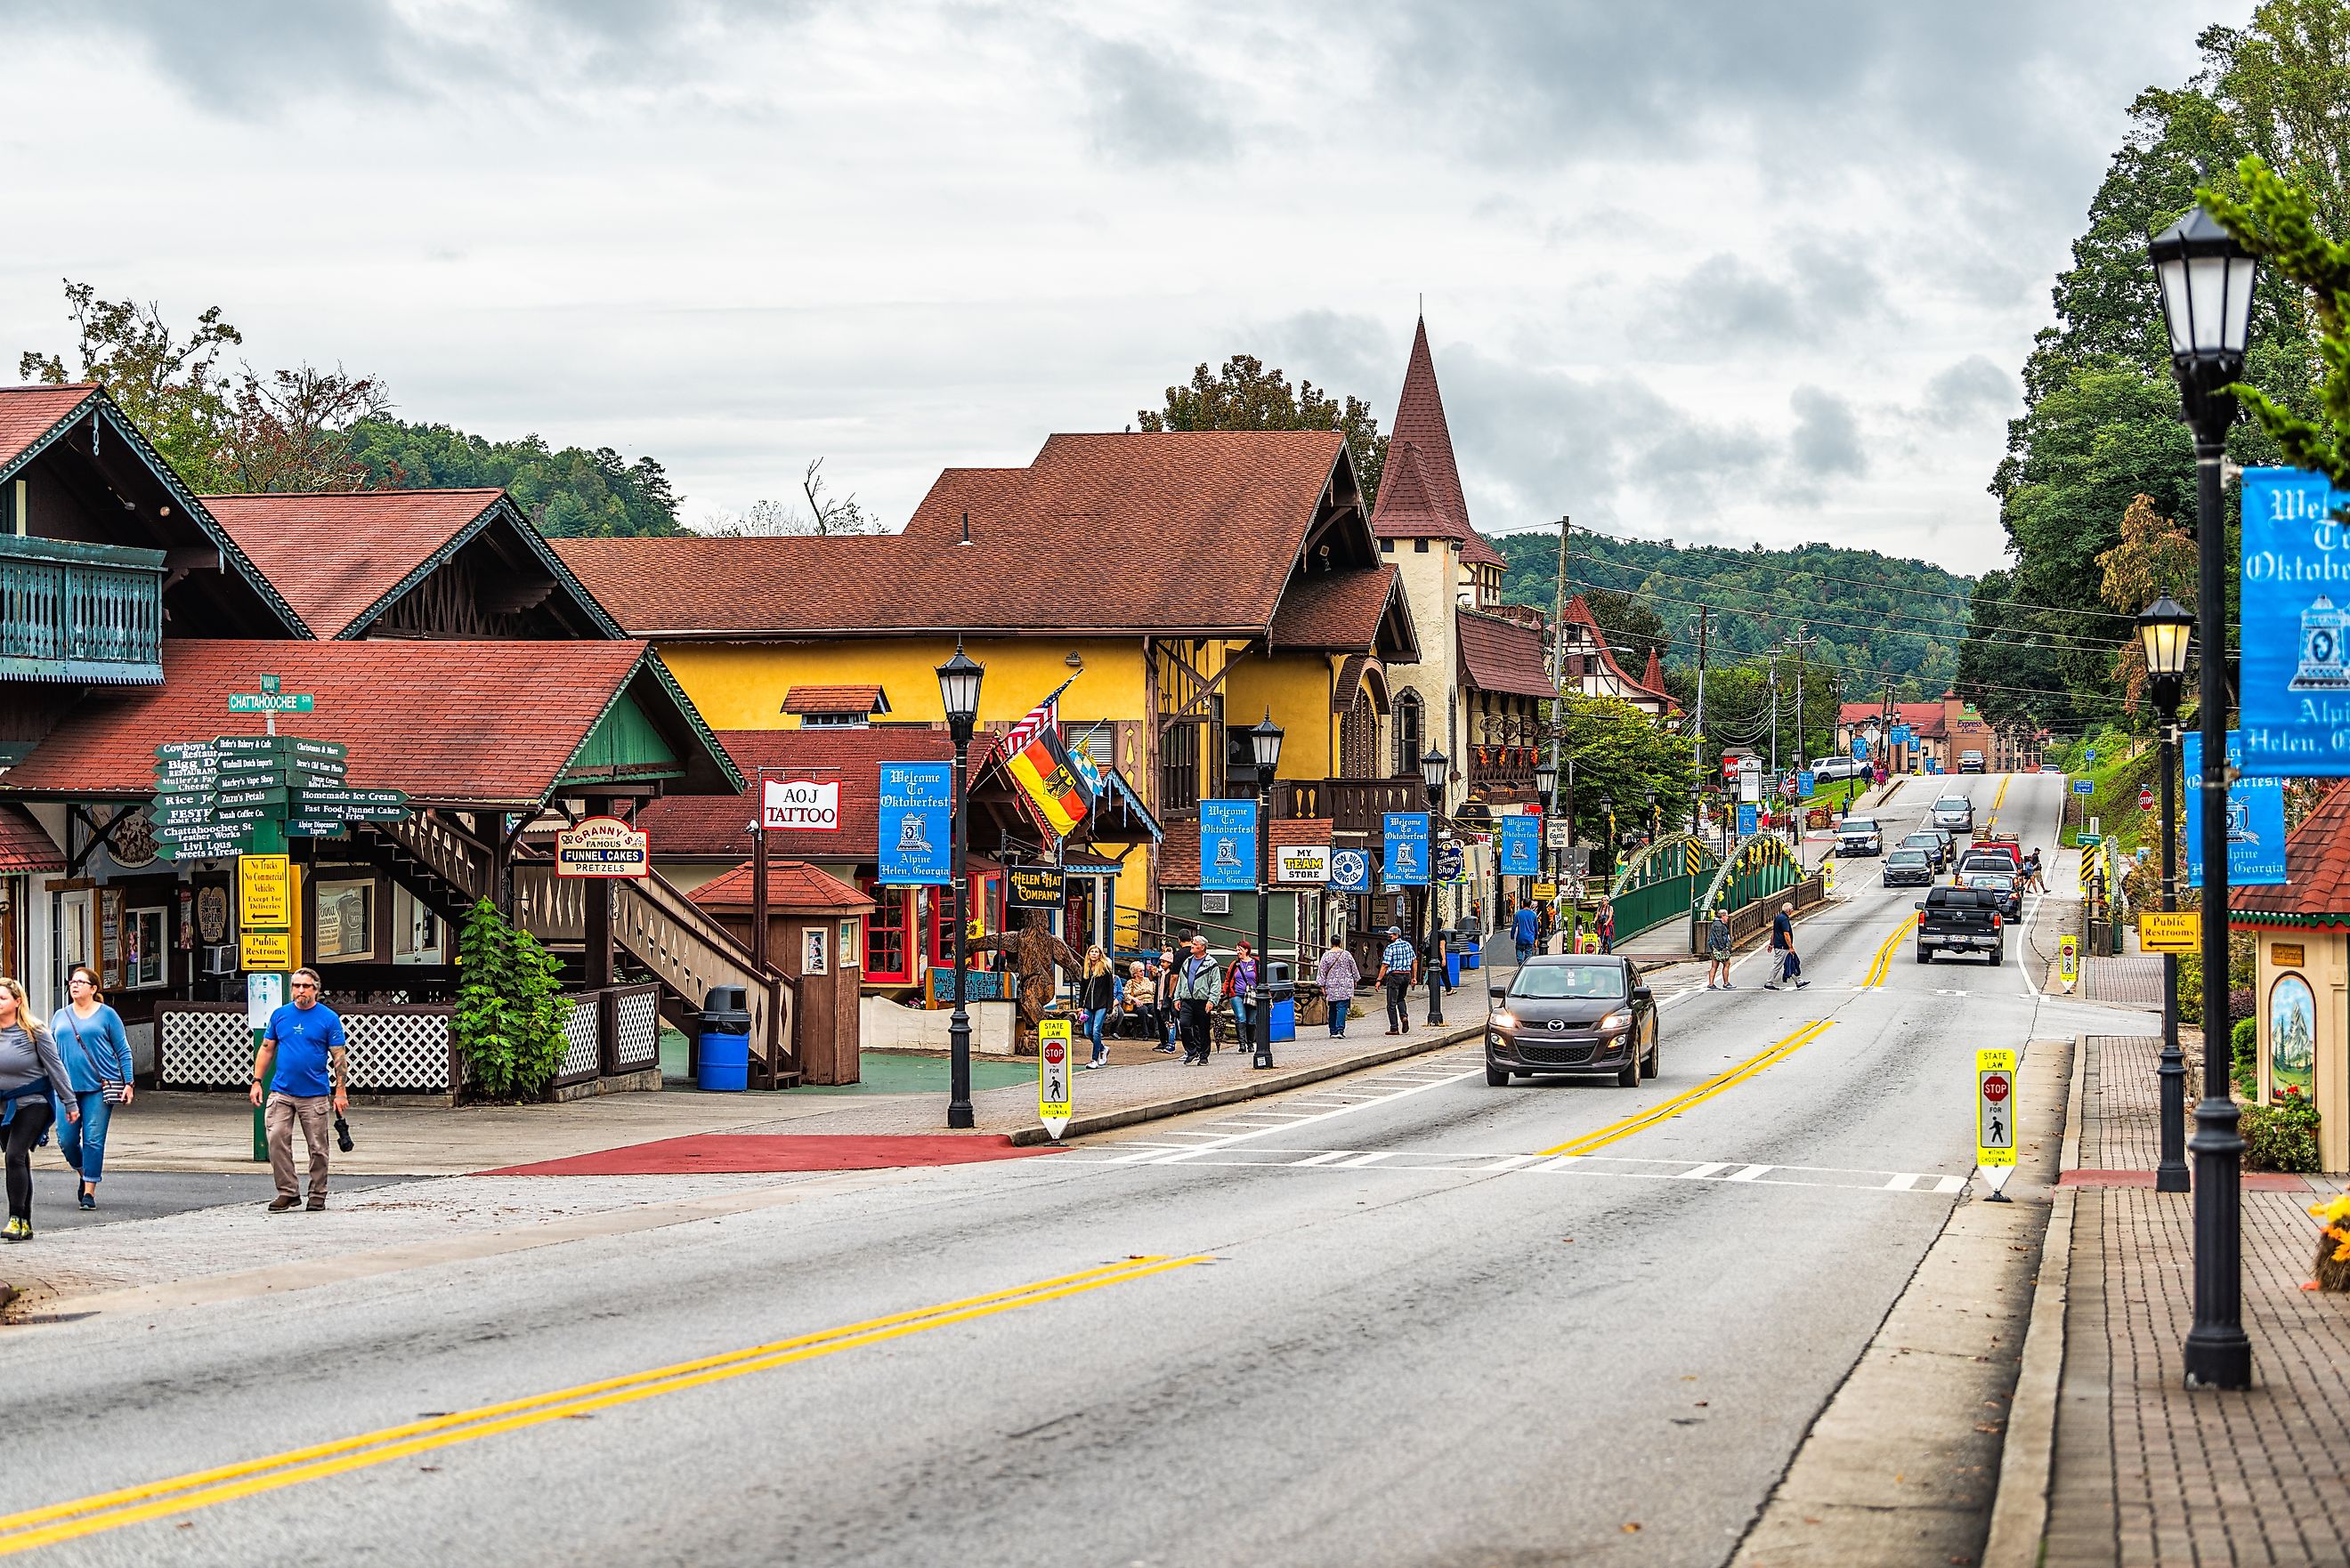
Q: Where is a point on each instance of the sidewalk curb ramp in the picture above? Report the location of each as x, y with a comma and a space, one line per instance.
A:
1251, 1088
2027, 1459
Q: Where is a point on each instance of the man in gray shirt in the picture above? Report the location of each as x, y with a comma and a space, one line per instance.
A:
1197, 986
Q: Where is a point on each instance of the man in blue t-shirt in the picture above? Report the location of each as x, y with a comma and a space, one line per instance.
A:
1525, 930
305, 1040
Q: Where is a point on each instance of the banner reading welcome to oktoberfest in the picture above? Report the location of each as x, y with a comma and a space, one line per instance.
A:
2293, 684
1521, 845
915, 842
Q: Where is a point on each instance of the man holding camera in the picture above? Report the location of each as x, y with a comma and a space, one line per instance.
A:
304, 1039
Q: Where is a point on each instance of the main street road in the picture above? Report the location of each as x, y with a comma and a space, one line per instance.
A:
1382, 1321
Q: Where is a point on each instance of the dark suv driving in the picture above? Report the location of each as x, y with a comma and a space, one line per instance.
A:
1576, 1013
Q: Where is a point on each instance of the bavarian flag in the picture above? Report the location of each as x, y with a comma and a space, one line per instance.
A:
1054, 787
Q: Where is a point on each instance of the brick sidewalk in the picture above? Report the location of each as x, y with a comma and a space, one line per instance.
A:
2135, 981
2145, 1472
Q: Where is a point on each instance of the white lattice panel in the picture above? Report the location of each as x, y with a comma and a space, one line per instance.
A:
636, 1017
582, 1040
390, 1053
204, 1049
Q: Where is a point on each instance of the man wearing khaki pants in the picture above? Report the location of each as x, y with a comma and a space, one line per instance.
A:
304, 1038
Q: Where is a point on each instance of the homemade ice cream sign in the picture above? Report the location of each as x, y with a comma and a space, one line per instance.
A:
211, 796
2294, 685
602, 846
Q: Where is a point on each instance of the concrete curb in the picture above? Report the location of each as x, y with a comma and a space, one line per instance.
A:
2027, 1459
1251, 1088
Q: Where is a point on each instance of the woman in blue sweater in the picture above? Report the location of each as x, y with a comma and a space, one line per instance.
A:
96, 1052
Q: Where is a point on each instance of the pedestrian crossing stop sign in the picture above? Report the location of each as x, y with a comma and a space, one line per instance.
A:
1995, 1116
1053, 1094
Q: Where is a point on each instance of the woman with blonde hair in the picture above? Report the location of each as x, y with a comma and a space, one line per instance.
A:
29, 1071
97, 1054
1097, 994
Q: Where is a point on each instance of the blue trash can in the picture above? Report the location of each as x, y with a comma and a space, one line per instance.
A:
1281, 1001
1473, 959
723, 1047
1451, 967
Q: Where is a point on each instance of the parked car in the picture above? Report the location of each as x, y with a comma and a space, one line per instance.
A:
1908, 867
1959, 920
1825, 770
1999, 885
1578, 1012
1954, 813
1936, 846
2010, 849
1859, 835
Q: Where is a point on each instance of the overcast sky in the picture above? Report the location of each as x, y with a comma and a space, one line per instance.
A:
1711, 270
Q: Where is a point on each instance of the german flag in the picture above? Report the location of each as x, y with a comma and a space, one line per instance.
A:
1054, 787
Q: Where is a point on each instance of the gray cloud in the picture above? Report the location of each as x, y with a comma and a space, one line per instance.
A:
1727, 304
1150, 108
1826, 442
1972, 391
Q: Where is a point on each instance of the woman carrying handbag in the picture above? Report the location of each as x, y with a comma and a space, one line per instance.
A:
96, 1057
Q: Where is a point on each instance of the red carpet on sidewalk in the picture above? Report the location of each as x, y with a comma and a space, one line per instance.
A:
750, 1152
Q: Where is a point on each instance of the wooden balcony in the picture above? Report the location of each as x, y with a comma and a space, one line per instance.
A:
78, 613
1354, 806
1503, 773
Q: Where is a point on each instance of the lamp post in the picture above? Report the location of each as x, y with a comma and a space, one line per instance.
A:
1654, 826
959, 680
1546, 791
2207, 282
1265, 741
2163, 629
1435, 768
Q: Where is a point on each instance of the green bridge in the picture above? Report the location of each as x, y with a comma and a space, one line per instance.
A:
1680, 878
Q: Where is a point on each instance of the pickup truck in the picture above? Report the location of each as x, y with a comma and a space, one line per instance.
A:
2010, 847
1961, 920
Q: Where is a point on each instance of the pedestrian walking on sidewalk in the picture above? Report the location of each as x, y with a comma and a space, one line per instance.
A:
1170, 1012
1098, 994
1337, 974
1196, 986
30, 1069
1787, 964
1525, 931
1398, 965
1239, 989
304, 1041
2032, 879
97, 1054
1717, 952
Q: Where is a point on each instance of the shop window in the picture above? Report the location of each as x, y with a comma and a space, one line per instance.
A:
888, 954
417, 933
346, 921
146, 948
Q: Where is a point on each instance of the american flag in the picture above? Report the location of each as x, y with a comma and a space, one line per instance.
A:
1043, 716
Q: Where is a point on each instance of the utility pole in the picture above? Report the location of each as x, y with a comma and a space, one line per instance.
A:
1773, 654
1802, 741
1557, 677
1696, 806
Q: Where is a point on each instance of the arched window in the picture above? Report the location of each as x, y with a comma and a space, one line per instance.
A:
1358, 738
1410, 738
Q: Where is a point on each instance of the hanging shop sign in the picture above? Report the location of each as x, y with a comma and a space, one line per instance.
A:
915, 840
2294, 683
1228, 844
1297, 865
1350, 871
2255, 819
1520, 847
1034, 887
799, 806
602, 846
1407, 849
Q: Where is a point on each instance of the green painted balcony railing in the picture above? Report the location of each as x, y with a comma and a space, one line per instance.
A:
80, 613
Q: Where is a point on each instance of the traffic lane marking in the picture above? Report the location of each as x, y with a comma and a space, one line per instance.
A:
1665, 1110
124, 1506
1458, 1162
1235, 1129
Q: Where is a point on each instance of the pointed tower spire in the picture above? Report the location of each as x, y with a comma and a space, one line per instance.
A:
1420, 491
1654, 676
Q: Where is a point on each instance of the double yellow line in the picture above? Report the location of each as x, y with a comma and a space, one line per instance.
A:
1668, 1109
202, 1488
1882, 964
1991, 822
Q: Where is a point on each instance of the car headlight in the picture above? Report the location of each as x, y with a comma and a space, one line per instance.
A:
1503, 1018
1615, 1022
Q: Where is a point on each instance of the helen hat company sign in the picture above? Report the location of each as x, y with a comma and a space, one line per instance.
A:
2295, 678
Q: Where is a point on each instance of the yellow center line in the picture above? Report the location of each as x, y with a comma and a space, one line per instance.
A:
1668, 1109
203, 1489
1882, 963
1990, 823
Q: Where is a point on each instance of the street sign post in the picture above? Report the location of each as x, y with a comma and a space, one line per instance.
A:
2085, 786
1995, 1120
2174, 931
1053, 1104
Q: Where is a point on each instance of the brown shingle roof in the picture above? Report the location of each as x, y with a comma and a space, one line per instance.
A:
791, 885
1434, 495
1502, 655
2317, 888
1167, 532
25, 845
858, 701
1343, 611
1579, 611
28, 413
474, 723
707, 827
334, 557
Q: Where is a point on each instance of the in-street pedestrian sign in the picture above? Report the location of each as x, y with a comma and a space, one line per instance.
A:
1054, 1101
1995, 1119
2068, 960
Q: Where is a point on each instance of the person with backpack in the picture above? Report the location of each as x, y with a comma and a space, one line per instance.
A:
96, 1056
1717, 952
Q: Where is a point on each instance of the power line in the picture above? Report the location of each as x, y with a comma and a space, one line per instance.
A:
1814, 620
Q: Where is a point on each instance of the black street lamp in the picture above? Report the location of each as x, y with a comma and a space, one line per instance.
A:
1653, 825
1265, 741
1435, 768
1546, 791
2163, 628
959, 680
2206, 302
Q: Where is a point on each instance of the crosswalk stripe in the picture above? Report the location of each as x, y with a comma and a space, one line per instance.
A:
1703, 1171
1751, 1173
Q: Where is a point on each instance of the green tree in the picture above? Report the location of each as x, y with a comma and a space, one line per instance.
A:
1620, 755
172, 387
508, 1025
569, 492
1245, 396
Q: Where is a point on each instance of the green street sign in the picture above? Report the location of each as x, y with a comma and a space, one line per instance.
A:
2090, 840
266, 797
269, 684
315, 827
300, 746
259, 775
269, 702
186, 750
335, 799
202, 786
262, 746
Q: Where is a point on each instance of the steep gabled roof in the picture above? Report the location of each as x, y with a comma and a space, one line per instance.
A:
1500, 655
459, 723
1351, 612
31, 417
1419, 489
1174, 533
1579, 612
2316, 887
343, 558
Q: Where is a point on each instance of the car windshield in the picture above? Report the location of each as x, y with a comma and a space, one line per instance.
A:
1858, 824
1906, 858
1555, 981
1953, 803
1986, 879
1921, 840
